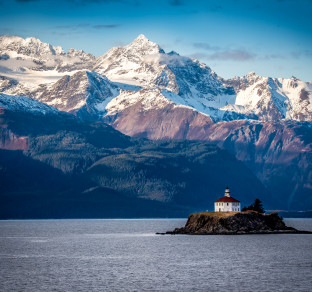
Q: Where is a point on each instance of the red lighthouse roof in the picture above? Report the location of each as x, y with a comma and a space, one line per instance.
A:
227, 200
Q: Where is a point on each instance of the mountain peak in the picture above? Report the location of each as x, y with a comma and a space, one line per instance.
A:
143, 45
141, 37
251, 74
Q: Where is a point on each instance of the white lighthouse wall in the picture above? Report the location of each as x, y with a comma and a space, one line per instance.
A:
227, 207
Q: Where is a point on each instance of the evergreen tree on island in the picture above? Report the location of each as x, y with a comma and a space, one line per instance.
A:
256, 206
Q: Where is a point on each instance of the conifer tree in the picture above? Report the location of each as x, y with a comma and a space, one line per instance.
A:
256, 206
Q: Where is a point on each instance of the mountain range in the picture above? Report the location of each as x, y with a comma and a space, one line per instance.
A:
144, 92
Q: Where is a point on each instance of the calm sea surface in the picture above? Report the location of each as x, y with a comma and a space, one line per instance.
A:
126, 255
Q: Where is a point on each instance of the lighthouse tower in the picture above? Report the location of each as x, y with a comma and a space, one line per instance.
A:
227, 203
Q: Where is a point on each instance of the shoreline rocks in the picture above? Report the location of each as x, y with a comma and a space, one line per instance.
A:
234, 223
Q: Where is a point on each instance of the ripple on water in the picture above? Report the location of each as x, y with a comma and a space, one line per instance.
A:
126, 255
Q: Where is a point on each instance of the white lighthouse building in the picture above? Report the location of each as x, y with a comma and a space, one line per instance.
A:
227, 203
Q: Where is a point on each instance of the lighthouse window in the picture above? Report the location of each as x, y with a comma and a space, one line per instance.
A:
227, 204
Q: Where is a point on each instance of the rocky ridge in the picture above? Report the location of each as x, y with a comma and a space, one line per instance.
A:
144, 65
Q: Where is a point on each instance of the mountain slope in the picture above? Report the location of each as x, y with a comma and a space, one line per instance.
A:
91, 162
84, 93
25, 104
265, 122
28, 63
273, 99
182, 80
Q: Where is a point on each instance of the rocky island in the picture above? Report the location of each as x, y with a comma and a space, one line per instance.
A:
234, 223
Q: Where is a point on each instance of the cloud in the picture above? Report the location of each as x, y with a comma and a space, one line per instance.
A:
169, 59
215, 8
274, 56
304, 54
309, 1
239, 55
199, 56
6, 30
176, 2
86, 2
26, 1
206, 47
72, 26
94, 1
105, 26
10, 31
81, 26
223, 54
233, 55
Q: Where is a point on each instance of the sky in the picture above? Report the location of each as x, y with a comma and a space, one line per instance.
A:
233, 37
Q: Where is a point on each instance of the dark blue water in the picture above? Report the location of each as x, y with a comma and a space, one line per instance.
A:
126, 255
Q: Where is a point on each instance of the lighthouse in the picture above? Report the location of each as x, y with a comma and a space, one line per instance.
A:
227, 203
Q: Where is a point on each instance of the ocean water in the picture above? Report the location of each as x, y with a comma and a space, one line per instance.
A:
126, 255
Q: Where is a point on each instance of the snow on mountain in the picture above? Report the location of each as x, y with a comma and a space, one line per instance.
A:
31, 62
144, 73
39, 55
183, 81
273, 99
129, 64
25, 104
188, 82
84, 92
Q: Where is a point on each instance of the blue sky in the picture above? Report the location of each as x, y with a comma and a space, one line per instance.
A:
234, 37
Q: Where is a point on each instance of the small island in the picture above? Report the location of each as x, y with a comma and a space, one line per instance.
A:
229, 220
234, 223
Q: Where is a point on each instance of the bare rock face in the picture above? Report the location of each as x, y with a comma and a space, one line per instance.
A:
10, 141
234, 223
277, 152
169, 122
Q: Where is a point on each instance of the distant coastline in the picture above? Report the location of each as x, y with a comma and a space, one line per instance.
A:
294, 214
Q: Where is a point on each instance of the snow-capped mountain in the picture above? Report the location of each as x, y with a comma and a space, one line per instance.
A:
39, 56
30, 62
84, 93
14, 109
181, 80
142, 91
146, 75
272, 99
26, 104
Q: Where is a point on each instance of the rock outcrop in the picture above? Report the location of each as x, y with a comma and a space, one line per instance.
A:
231, 223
